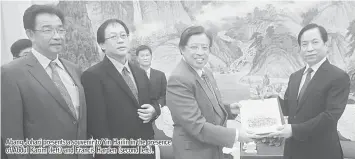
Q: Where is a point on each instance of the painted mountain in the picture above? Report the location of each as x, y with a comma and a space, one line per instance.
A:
274, 41
255, 38
251, 39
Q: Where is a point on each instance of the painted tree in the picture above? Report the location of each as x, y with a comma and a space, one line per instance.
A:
258, 38
80, 41
270, 31
351, 34
309, 16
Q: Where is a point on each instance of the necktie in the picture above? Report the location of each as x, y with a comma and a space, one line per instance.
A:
306, 82
63, 91
125, 75
208, 83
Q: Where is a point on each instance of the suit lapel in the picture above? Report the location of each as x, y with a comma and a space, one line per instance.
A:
153, 78
152, 75
313, 84
219, 97
210, 95
38, 72
295, 86
116, 76
205, 88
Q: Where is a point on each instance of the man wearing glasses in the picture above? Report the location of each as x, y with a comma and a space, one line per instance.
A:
42, 96
196, 106
118, 94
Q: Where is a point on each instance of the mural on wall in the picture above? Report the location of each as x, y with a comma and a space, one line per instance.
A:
254, 43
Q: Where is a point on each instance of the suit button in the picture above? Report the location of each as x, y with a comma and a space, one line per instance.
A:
74, 122
294, 117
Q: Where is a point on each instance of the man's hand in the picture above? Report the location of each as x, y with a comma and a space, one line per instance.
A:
282, 131
266, 95
235, 108
247, 136
146, 113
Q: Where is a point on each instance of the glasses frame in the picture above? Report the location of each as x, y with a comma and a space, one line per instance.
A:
199, 48
51, 31
122, 36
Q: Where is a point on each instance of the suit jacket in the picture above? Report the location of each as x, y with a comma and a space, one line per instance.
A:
32, 106
3, 153
158, 86
112, 107
315, 116
199, 118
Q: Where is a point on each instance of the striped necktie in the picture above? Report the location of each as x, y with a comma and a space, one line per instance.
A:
129, 81
208, 83
306, 82
60, 85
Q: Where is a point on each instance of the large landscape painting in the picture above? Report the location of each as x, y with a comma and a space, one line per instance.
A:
255, 43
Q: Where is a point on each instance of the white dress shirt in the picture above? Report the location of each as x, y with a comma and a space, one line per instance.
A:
314, 68
64, 76
148, 72
120, 67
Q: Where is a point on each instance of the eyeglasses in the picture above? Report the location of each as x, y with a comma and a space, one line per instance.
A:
194, 48
50, 30
115, 37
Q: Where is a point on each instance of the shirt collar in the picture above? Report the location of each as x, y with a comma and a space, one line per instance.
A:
316, 66
198, 71
44, 61
148, 71
119, 65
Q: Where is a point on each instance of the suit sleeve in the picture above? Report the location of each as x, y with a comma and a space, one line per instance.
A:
153, 102
97, 123
231, 116
186, 113
336, 101
162, 100
11, 111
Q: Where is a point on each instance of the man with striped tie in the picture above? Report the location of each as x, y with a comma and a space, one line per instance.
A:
196, 106
118, 92
42, 96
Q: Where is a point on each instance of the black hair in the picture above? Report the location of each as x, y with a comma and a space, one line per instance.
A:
29, 17
143, 47
322, 31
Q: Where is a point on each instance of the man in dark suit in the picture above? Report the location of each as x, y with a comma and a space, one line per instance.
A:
42, 96
156, 77
118, 92
195, 103
158, 91
315, 99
